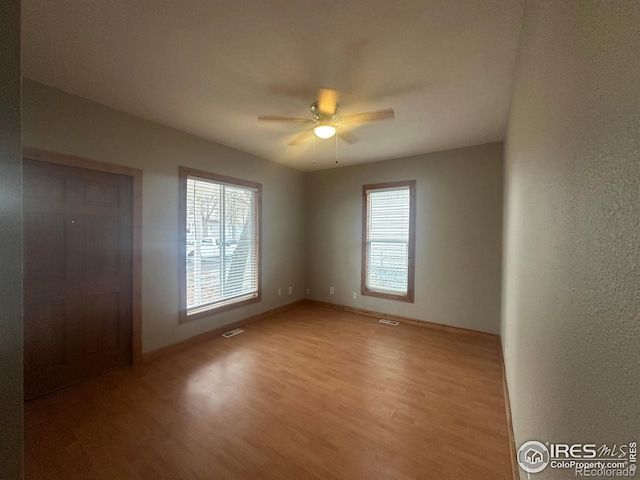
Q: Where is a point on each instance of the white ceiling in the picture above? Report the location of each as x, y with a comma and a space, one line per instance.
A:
211, 67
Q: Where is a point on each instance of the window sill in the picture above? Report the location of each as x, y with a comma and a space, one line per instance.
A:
407, 297
215, 309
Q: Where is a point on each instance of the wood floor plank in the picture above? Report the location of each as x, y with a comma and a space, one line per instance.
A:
310, 393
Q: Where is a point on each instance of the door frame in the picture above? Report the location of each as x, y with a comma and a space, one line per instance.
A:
136, 176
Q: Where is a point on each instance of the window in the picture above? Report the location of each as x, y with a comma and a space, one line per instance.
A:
220, 247
388, 237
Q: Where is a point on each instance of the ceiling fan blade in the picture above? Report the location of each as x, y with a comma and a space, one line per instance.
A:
268, 118
347, 137
367, 116
327, 101
298, 139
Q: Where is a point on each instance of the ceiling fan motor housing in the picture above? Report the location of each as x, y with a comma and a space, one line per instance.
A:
319, 116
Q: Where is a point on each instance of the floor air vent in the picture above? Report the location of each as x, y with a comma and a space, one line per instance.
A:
388, 322
232, 333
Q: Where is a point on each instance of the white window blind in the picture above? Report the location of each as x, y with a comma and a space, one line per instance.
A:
387, 240
222, 257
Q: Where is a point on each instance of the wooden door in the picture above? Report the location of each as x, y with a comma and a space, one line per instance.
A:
77, 275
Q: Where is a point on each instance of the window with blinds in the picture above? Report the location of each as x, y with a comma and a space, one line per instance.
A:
219, 221
389, 240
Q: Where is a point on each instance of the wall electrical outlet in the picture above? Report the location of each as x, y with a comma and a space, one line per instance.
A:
290, 290
355, 295
307, 291
279, 291
331, 290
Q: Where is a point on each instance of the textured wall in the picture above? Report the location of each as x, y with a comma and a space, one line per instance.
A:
10, 245
571, 300
56, 121
458, 235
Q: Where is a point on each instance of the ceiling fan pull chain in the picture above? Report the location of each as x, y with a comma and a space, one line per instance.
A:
314, 149
336, 137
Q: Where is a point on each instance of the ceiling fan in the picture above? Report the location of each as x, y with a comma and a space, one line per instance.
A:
326, 120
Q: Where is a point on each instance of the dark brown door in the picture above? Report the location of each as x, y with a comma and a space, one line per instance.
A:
77, 275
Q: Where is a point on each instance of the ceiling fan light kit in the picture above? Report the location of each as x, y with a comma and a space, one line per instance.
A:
324, 131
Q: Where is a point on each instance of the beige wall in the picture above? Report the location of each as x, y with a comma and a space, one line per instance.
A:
458, 235
571, 322
57, 121
11, 245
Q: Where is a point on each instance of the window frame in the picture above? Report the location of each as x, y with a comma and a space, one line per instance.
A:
184, 173
366, 291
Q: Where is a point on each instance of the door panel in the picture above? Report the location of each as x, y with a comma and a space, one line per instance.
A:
101, 234
77, 286
44, 186
100, 324
44, 263
46, 334
100, 194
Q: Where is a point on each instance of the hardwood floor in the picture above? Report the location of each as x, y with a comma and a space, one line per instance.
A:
312, 393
